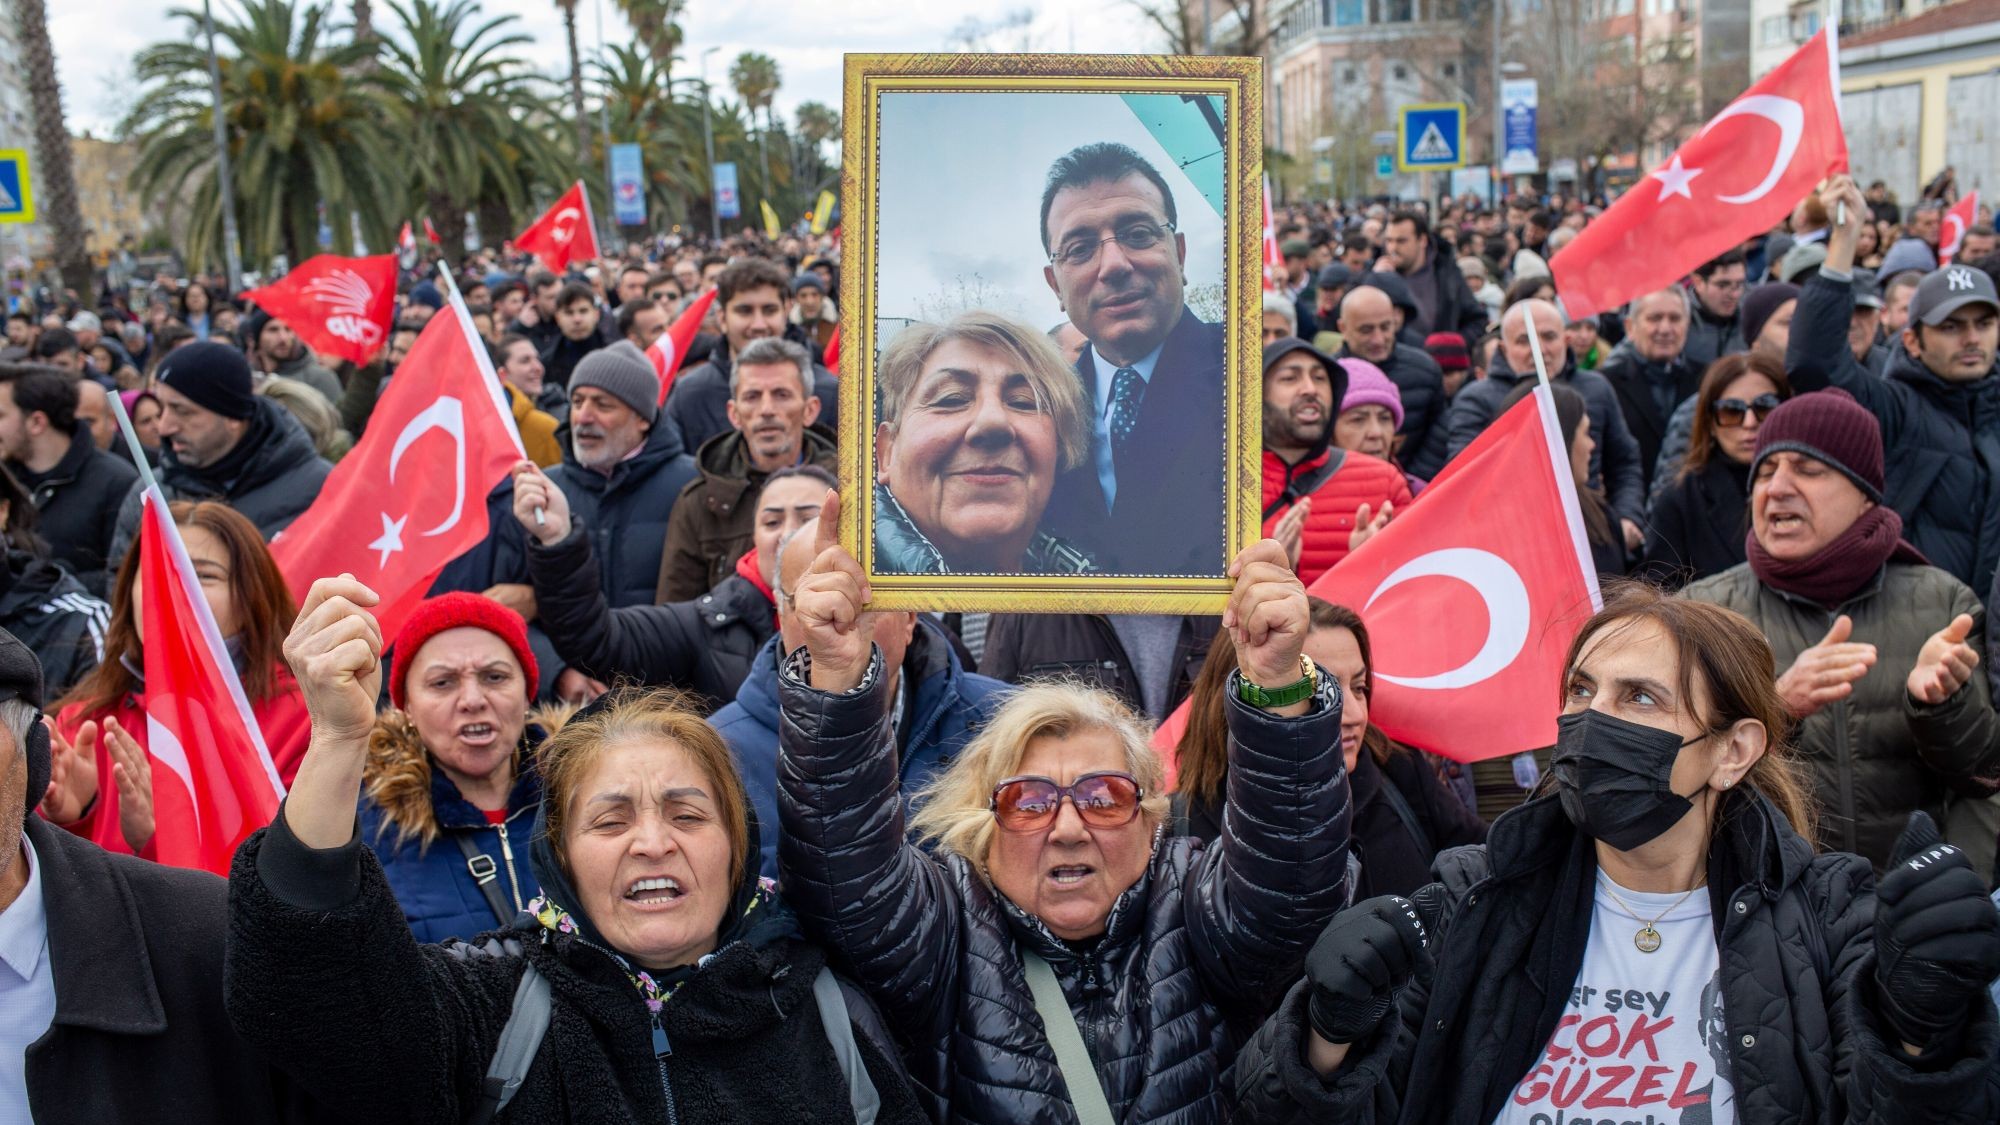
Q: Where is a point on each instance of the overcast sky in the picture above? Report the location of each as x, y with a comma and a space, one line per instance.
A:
96, 39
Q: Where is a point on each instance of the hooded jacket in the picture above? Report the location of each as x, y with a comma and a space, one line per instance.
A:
307, 370
1195, 951
944, 705
1940, 439
54, 616
626, 513
76, 508
1357, 479
278, 477
1614, 464
325, 978
698, 405
1641, 384
1795, 933
716, 513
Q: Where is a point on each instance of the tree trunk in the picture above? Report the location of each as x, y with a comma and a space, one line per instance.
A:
55, 179
364, 20
496, 223
576, 88
448, 216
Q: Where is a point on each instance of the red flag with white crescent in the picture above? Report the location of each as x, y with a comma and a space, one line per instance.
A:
1961, 218
1274, 256
672, 346
1740, 175
565, 232
338, 306
214, 782
1472, 596
411, 495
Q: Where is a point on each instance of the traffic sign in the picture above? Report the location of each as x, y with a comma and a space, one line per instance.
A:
1385, 165
17, 195
1430, 136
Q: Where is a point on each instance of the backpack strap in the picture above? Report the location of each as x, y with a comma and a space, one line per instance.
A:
861, 1094
520, 1039
1079, 1074
485, 873
1308, 482
1406, 814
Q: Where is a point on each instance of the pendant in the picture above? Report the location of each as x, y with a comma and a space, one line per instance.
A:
1647, 939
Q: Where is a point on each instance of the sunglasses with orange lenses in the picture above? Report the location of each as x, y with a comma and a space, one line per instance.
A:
1109, 799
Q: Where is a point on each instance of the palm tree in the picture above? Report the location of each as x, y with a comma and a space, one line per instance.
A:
56, 175
310, 122
575, 81
754, 76
656, 25
468, 96
818, 123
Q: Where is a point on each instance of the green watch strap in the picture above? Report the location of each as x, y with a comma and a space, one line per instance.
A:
1297, 691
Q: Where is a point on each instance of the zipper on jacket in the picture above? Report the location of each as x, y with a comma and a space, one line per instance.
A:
661, 1049
507, 854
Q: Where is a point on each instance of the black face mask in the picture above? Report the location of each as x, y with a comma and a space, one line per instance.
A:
1614, 778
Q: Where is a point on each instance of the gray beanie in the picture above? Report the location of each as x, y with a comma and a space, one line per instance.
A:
623, 372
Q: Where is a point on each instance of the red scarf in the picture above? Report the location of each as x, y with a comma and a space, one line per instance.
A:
746, 569
1838, 571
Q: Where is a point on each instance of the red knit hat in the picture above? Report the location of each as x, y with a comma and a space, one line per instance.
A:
451, 611
1448, 348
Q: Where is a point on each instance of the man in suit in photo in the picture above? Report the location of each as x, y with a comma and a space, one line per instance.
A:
1149, 500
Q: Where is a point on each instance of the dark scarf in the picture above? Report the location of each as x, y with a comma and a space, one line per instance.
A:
1838, 571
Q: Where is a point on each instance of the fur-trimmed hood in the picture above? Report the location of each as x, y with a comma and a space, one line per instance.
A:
418, 801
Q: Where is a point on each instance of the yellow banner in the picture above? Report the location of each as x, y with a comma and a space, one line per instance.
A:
822, 212
770, 219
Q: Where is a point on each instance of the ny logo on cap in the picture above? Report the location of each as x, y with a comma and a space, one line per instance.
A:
1958, 279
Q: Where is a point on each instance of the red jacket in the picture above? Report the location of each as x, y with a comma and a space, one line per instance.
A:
1359, 480
286, 726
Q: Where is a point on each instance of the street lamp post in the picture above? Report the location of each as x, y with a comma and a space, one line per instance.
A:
708, 145
232, 253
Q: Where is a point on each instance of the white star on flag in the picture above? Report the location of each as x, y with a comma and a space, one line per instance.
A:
391, 539
1674, 179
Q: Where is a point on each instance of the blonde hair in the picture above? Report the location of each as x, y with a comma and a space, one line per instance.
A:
952, 811
651, 716
1057, 388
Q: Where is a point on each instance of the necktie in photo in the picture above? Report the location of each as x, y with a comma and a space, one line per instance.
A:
1127, 391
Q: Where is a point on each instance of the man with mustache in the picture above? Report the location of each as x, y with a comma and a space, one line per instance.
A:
1149, 498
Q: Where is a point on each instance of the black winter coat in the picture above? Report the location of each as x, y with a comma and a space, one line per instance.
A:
705, 645
1711, 337
1420, 384
324, 976
1083, 646
1614, 464
76, 508
1635, 378
1699, 524
625, 514
1796, 938
54, 616
140, 1033
1940, 440
1203, 942
698, 406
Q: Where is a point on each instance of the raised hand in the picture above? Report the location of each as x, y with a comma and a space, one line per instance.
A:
534, 491
1367, 522
1937, 937
1846, 209
1267, 617
1363, 959
335, 651
1945, 663
72, 774
133, 774
1827, 671
1290, 531
828, 604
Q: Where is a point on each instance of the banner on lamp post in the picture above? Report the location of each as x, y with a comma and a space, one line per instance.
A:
728, 204
1518, 101
628, 186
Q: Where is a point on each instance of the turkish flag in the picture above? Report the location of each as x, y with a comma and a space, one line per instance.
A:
564, 233
1742, 174
831, 361
1274, 257
672, 346
1472, 596
1958, 220
431, 232
338, 306
213, 779
411, 495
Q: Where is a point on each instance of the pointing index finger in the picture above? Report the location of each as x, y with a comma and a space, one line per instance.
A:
828, 534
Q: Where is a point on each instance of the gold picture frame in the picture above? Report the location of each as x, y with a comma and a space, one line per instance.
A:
1159, 93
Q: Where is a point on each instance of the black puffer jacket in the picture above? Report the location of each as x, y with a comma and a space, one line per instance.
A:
625, 514
1205, 940
76, 504
324, 978
705, 645
1796, 937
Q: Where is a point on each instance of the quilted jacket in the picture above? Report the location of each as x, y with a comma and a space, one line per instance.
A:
1360, 479
1194, 953
1796, 936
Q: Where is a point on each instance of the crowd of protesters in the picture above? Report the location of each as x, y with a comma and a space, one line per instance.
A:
643, 815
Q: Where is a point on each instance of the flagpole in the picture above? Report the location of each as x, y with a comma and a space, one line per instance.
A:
485, 361
1535, 343
1831, 21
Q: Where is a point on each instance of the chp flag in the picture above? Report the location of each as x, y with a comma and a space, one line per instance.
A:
411, 495
565, 233
672, 346
1740, 176
339, 306
214, 782
1958, 220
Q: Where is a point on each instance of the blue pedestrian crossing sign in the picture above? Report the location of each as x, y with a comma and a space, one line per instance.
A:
17, 199
1430, 137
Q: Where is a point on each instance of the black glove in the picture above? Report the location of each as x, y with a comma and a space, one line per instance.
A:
1937, 937
1368, 952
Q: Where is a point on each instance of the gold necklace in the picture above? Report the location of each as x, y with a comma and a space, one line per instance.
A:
1648, 938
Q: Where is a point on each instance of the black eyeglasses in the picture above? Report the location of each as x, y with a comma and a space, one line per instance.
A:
1104, 800
1080, 252
1729, 412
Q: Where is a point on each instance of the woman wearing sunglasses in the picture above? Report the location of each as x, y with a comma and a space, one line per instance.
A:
1057, 951
1699, 521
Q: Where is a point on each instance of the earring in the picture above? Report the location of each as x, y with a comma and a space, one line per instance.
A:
1726, 783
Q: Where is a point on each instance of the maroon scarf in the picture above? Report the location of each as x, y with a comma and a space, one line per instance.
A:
1837, 571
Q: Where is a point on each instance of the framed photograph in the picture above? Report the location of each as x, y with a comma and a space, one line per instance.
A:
1052, 277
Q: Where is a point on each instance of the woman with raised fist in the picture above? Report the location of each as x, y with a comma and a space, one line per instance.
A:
1049, 888
1655, 938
